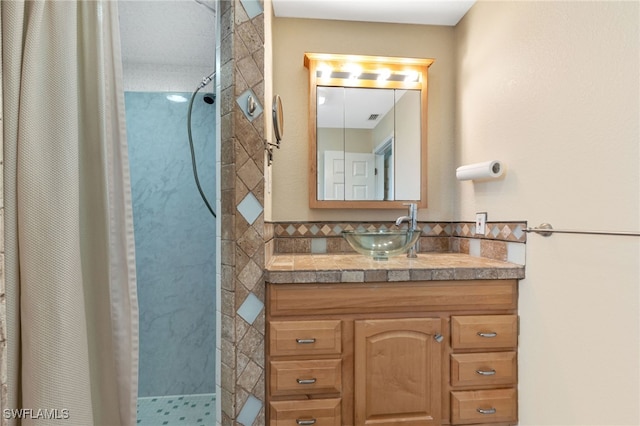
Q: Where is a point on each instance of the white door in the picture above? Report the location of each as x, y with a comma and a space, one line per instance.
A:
333, 175
360, 179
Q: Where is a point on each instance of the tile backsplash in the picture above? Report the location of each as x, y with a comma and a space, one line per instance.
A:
502, 240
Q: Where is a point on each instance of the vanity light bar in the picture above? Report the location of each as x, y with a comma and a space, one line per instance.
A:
367, 68
412, 76
384, 74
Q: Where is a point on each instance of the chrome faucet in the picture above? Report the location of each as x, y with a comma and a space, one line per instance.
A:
412, 220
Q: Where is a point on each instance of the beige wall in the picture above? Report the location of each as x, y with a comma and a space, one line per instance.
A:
552, 90
291, 39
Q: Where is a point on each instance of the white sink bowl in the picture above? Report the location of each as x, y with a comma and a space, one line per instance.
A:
380, 245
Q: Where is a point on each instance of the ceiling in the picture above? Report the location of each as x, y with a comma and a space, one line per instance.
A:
176, 32
425, 12
182, 32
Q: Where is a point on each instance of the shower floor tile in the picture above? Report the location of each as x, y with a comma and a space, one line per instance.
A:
180, 410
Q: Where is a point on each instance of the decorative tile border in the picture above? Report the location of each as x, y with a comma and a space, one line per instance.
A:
502, 241
334, 229
502, 231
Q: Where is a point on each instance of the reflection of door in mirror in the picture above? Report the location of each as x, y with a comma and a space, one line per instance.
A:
360, 176
333, 182
378, 133
384, 170
349, 176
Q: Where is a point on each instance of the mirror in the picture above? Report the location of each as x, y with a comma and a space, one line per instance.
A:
278, 119
278, 128
368, 144
367, 120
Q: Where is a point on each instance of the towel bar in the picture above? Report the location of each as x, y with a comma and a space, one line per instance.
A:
546, 230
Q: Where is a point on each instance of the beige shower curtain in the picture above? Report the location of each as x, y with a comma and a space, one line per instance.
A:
69, 252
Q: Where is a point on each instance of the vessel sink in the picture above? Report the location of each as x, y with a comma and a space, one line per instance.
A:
380, 245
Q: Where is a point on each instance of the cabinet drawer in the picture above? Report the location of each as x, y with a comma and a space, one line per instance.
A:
484, 331
305, 337
317, 412
488, 406
495, 368
425, 296
305, 377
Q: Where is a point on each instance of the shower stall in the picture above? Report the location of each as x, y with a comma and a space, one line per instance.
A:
168, 52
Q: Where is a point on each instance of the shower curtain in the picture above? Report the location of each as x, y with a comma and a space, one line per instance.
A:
70, 267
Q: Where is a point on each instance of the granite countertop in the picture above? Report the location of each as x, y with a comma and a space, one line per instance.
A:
334, 268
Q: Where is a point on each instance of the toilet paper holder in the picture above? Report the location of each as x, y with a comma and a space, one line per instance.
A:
486, 170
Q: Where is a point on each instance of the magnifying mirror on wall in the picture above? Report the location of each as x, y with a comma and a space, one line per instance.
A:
278, 119
278, 128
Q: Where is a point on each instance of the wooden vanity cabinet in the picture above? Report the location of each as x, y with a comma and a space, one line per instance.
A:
410, 353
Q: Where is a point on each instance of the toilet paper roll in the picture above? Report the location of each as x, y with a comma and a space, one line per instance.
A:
487, 170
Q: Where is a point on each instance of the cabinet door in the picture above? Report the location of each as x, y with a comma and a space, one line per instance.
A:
397, 365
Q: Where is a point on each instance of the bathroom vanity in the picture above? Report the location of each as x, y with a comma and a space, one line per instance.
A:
414, 341
426, 341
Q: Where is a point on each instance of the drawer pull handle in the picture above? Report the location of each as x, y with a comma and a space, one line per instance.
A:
306, 422
487, 335
487, 411
486, 372
305, 342
306, 381
438, 337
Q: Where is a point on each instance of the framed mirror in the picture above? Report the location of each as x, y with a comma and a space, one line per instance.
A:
368, 127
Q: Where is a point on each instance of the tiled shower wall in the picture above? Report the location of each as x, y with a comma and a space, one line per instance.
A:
174, 268
242, 184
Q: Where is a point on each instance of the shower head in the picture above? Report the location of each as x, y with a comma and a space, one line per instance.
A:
209, 98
